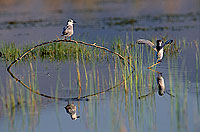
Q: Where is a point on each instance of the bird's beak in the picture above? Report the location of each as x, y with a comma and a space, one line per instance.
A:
74, 22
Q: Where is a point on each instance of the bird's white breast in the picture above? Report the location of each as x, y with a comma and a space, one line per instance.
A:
160, 54
162, 82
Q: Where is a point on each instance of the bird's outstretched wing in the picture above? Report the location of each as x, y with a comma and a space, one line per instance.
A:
144, 41
66, 30
167, 42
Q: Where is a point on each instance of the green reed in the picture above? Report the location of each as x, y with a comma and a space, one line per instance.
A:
14, 98
86, 76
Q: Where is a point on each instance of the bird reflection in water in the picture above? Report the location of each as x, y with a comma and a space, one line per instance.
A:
71, 110
161, 86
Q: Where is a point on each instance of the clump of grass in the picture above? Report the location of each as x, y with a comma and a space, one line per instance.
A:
54, 52
62, 51
120, 21
9, 51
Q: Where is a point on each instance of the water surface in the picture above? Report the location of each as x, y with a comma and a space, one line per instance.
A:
29, 22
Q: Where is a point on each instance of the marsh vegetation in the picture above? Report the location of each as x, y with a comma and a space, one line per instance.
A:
82, 71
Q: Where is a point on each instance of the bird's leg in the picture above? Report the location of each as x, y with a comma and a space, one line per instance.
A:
70, 38
170, 94
154, 71
146, 95
154, 64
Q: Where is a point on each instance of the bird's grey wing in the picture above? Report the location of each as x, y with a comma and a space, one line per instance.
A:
167, 42
67, 30
144, 41
63, 32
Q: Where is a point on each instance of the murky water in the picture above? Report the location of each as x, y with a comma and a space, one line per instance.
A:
27, 22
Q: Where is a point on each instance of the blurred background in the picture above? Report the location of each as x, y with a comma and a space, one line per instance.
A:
24, 21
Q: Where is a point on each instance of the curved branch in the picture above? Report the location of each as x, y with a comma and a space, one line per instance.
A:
73, 41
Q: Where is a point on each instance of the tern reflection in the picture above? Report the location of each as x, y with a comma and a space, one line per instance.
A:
161, 86
71, 110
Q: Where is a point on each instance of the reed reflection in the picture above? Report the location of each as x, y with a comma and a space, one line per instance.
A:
71, 110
